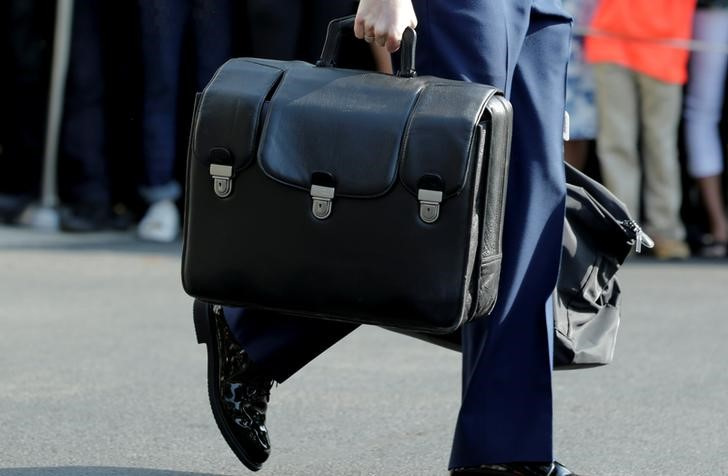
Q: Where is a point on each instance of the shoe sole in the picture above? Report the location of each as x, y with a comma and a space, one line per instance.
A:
205, 331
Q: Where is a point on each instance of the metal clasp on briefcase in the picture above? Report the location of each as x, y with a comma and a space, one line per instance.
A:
322, 197
221, 171
222, 176
429, 204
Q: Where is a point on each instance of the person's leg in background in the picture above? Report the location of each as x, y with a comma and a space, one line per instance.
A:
275, 28
660, 105
163, 25
26, 31
318, 14
212, 22
576, 152
277, 31
580, 95
83, 139
702, 113
618, 136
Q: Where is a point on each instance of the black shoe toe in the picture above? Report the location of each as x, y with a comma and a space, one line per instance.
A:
238, 395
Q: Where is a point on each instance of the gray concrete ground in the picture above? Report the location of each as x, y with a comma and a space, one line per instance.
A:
100, 376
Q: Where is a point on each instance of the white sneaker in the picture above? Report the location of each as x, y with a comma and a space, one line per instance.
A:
160, 223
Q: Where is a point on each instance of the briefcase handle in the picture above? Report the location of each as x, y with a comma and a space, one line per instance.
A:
338, 26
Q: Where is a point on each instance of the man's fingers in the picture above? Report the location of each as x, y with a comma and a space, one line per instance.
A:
393, 43
383, 21
363, 30
359, 27
388, 36
369, 34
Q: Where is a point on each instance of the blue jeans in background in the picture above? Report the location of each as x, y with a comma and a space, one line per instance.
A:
164, 24
83, 136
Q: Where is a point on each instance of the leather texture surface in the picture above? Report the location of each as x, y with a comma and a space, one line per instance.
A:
377, 139
492, 203
348, 125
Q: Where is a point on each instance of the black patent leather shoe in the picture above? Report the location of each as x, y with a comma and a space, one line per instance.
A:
516, 469
238, 395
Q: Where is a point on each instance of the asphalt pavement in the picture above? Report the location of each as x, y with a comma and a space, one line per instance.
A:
100, 375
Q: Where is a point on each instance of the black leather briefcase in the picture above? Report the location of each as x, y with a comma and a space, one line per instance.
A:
348, 195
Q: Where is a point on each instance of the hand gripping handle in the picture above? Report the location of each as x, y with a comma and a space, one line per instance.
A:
339, 26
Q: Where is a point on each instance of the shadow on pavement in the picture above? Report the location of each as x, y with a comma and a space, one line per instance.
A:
93, 471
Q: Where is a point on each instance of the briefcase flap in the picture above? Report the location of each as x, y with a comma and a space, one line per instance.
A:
357, 131
229, 113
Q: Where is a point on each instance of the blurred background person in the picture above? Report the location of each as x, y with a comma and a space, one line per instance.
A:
97, 125
276, 29
163, 26
639, 97
26, 32
703, 110
580, 100
85, 166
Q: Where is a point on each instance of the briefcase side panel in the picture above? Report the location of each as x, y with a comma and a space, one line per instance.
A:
499, 116
188, 198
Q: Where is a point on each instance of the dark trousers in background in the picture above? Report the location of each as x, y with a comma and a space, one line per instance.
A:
522, 47
26, 32
163, 25
83, 136
292, 29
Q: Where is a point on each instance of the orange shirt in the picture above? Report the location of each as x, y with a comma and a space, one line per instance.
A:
643, 19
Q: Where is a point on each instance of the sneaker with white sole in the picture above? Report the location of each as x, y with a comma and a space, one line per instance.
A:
161, 223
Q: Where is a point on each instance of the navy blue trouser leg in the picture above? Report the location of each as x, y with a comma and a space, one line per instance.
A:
522, 47
506, 412
281, 345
